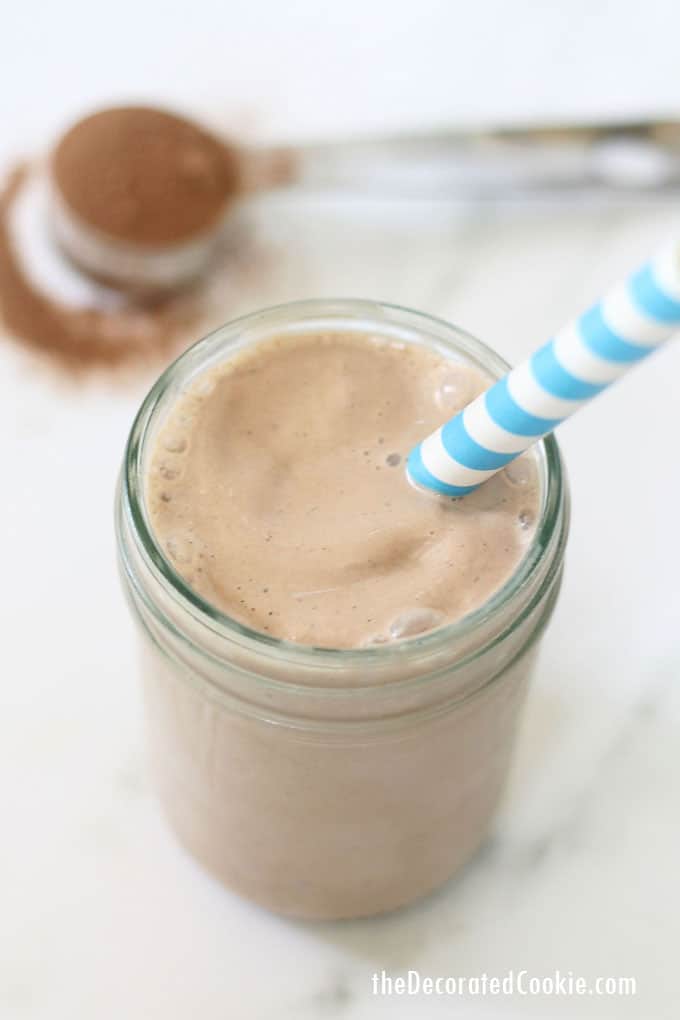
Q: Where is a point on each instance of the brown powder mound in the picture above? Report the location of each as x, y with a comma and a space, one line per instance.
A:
81, 338
145, 176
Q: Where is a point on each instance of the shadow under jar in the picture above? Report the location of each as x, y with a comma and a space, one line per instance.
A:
330, 783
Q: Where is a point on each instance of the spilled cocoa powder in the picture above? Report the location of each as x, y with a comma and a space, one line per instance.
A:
81, 338
144, 176
135, 180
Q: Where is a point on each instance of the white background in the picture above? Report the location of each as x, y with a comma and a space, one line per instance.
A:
101, 915
310, 67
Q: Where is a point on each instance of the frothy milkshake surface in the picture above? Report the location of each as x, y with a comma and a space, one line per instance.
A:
277, 489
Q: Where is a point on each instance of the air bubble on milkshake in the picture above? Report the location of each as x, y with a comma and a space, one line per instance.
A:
375, 639
415, 621
526, 519
166, 497
393, 459
168, 472
518, 472
453, 391
175, 444
180, 549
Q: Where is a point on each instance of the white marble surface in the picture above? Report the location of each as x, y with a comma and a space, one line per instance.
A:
101, 915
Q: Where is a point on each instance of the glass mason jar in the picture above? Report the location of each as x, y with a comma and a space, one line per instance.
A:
330, 783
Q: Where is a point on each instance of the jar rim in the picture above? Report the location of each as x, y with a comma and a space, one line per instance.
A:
133, 501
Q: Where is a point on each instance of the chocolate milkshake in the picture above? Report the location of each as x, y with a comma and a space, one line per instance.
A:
277, 489
337, 658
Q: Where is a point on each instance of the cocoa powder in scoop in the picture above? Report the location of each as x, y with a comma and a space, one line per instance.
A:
83, 338
144, 176
138, 180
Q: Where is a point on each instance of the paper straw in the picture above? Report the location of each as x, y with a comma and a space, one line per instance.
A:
577, 364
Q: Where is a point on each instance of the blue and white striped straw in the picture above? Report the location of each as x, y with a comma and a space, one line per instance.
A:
577, 364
